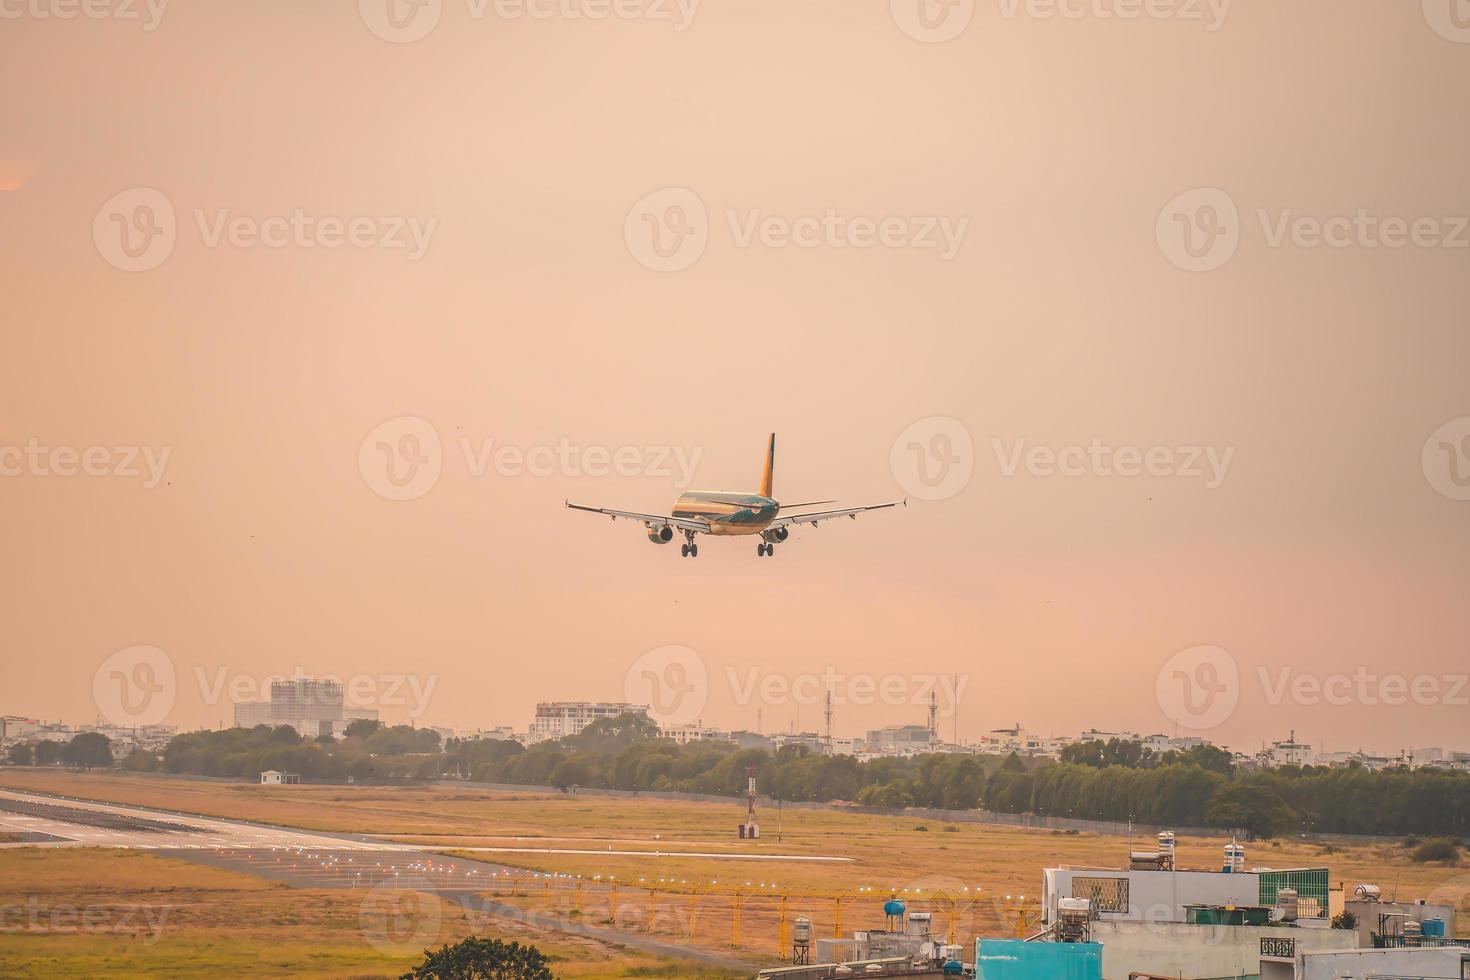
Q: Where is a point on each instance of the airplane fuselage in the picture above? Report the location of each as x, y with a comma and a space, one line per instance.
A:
728, 512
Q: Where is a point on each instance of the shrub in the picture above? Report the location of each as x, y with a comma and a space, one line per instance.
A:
1436, 849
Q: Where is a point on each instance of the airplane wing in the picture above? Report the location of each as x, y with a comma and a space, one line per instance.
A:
827, 515
652, 520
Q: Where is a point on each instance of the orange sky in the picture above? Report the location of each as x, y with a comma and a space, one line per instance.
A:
1061, 318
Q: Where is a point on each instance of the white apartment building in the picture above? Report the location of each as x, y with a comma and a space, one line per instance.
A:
559, 719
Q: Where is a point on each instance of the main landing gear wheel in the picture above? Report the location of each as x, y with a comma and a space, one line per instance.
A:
683, 551
689, 549
763, 549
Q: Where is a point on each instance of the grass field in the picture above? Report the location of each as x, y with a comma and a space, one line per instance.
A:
888, 853
84, 913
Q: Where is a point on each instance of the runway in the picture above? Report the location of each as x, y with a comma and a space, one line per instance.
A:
50, 821
88, 823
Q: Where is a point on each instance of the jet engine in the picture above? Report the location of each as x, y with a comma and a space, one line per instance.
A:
660, 535
776, 535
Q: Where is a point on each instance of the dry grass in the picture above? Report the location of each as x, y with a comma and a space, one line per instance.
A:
71, 912
888, 854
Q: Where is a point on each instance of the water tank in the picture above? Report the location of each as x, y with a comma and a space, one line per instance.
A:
1412, 928
1234, 858
1434, 927
1368, 893
893, 907
802, 930
953, 968
1288, 902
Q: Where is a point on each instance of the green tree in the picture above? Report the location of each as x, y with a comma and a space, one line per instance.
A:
48, 753
1254, 806
141, 760
361, 727
478, 958
21, 754
88, 750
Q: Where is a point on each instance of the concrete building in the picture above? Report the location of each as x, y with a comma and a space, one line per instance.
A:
684, 734
899, 740
559, 719
1422, 963
312, 707
1186, 950
1290, 752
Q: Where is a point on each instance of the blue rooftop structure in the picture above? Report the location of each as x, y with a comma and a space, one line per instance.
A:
1015, 959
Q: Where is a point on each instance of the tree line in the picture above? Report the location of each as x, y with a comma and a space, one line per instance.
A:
1116, 780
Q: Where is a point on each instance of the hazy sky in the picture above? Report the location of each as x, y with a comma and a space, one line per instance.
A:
1080, 230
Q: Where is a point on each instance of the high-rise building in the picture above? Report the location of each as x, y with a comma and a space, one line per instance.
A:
559, 719
312, 707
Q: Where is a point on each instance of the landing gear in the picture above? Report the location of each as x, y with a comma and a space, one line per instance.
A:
689, 549
763, 549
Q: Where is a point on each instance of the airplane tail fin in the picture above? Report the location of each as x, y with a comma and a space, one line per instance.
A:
765, 490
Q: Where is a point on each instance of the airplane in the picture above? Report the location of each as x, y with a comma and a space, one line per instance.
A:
727, 513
